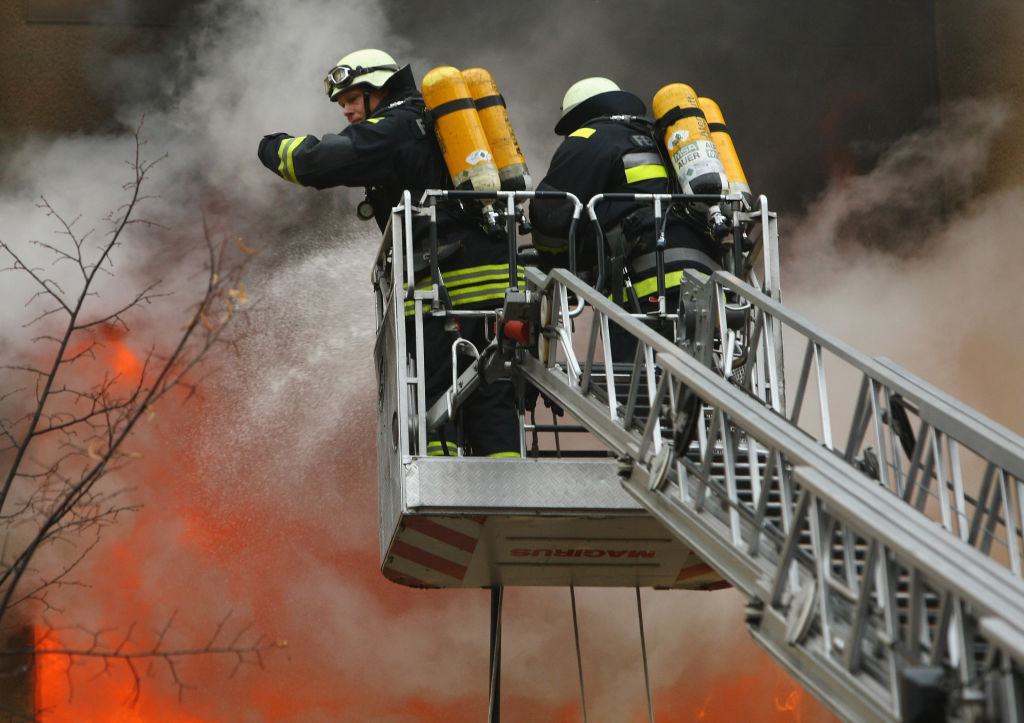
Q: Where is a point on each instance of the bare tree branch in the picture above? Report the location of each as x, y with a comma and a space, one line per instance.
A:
107, 645
65, 428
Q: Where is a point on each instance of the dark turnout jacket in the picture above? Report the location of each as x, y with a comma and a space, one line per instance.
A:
615, 151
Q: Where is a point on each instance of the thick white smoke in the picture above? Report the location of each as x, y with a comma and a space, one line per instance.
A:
929, 287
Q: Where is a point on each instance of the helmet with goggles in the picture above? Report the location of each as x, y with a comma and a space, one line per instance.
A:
367, 67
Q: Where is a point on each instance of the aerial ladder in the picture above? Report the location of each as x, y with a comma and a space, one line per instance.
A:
873, 523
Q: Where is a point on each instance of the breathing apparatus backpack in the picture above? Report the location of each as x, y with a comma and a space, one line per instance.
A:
694, 136
695, 139
473, 129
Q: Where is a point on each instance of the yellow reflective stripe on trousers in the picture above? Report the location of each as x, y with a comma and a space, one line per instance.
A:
434, 449
465, 297
472, 285
505, 454
493, 292
287, 168
474, 274
644, 173
649, 287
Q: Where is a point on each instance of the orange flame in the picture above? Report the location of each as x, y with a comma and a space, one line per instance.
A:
243, 547
755, 684
790, 702
122, 359
108, 353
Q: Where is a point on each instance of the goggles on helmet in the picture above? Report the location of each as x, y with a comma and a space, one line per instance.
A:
341, 77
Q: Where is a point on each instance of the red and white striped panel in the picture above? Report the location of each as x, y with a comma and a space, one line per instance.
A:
433, 551
700, 576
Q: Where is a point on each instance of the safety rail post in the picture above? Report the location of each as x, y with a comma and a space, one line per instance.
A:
659, 250
770, 242
513, 251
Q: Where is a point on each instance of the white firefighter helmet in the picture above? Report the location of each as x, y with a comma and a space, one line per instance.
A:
581, 90
591, 97
368, 67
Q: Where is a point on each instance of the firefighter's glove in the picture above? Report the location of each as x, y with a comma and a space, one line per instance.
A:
269, 146
556, 410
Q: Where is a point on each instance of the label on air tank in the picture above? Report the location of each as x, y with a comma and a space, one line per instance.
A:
480, 155
680, 136
697, 158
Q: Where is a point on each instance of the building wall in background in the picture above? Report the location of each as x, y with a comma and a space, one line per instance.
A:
56, 59
17, 676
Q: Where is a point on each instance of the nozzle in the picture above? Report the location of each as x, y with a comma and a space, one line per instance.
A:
524, 225
720, 225
492, 217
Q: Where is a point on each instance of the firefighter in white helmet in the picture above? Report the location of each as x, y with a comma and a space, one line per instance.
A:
610, 147
388, 147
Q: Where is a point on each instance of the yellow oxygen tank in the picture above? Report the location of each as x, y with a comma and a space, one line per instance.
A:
688, 140
459, 132
726, 149
493, 113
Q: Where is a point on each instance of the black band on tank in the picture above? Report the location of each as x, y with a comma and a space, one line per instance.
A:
678, 113
488, 101
452, 106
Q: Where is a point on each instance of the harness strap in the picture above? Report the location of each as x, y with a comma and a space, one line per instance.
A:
676, 114
646, 263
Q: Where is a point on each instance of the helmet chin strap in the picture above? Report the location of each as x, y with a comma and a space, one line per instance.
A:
366, 101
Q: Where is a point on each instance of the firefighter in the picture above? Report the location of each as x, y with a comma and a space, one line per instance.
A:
611, 147
389, 147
